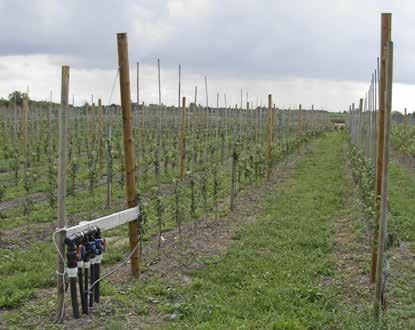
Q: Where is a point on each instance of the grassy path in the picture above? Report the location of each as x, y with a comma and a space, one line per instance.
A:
274, 274
304, 263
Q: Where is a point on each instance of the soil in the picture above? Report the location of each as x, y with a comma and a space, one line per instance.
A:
23, 236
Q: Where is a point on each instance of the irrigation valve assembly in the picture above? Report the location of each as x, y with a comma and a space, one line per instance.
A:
83, 256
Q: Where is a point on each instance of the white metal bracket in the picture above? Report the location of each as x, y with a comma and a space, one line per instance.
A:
106, 223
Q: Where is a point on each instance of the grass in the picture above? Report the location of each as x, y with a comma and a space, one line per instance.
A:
402, 225
279, 271
402, 187
272, 275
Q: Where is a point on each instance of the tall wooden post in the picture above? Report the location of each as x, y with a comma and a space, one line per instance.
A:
133, 226
386, 24
138, 85
26, 154
180, 77
384, 191
182, 139
269, 137
61, 212
140, 139
25, 129
207, 124
100, 133
359, 125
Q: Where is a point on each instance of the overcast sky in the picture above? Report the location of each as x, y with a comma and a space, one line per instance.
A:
318, 52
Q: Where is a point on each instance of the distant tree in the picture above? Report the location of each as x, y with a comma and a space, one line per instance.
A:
4, 102
17, 97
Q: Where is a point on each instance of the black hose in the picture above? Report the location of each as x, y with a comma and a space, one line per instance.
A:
74, 297
86, 283
99, 250
72, 272
91, 280
86, 269
96, 288
80, 257
92, 251
81, 290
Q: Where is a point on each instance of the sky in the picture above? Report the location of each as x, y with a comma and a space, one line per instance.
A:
319, 52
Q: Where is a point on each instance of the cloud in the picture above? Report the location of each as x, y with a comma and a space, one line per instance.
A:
229, 40
318, 39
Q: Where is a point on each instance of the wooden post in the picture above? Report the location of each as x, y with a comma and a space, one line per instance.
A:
248, 121
206, 125
269, 137
405, 121
138, 84
384, 196
100, 133
50, 137
241, 98
25, 135
26, 155
94, 124
386, 22
226, 123
15, 143
143, 128
109, 171
180, 76
234, 164
217, 121
140, 116
61, 212
178, 124
182, 140
353, 125
299, 121
359, 125
133, 226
